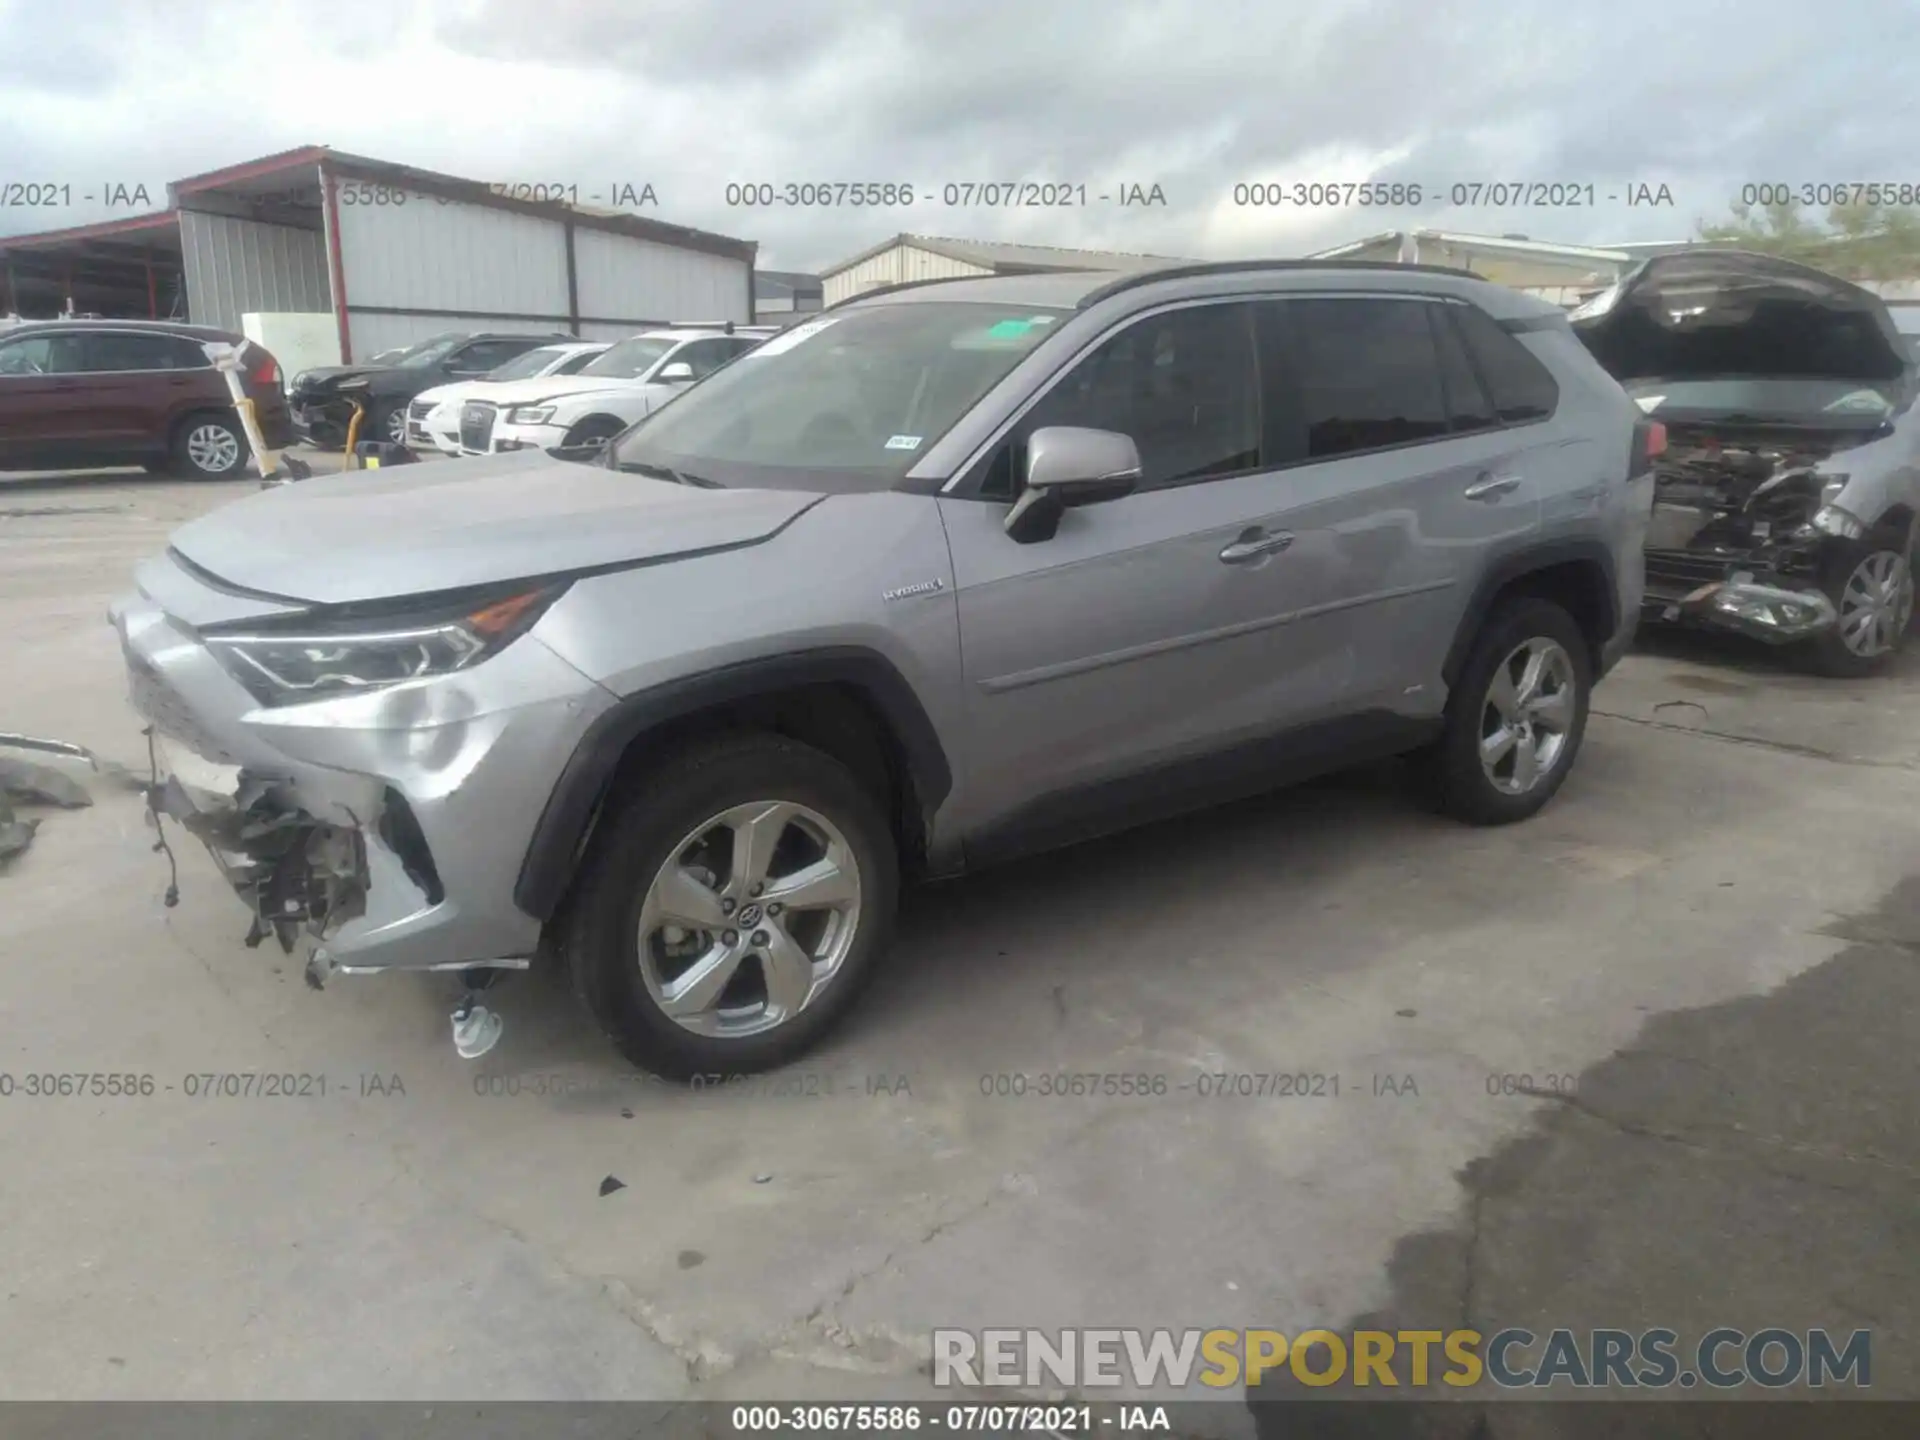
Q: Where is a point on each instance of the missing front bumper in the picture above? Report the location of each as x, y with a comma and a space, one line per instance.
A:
1778, 615
295, 874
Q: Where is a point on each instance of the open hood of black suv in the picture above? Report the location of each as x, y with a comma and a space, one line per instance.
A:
1713, 312
325, 377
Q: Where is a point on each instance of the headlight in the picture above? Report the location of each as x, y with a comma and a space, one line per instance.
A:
1832, 520
313, 657
529, 414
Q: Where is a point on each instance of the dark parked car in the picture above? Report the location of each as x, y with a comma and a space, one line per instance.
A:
75, 394
1788, 491
324, 398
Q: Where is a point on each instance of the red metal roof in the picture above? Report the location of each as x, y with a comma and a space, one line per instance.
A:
159, 219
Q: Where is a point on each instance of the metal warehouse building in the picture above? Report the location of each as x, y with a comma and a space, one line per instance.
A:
393, 253
934, 257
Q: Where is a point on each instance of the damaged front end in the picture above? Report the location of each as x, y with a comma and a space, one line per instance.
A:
1763, 372
296, 874
1740, 526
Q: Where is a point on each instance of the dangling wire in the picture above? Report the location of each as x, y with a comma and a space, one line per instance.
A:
153, 813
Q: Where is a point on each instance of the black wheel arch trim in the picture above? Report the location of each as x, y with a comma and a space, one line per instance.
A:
1517, 565
560, 834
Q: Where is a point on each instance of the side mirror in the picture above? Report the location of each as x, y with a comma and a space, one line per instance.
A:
1068, 467
678, 373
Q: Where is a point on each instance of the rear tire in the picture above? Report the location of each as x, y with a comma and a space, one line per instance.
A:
1505, 751
209, 446
633, 886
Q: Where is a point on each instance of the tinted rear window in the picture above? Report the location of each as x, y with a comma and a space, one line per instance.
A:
1522, 388
1358, 375
1468, 406
117, 350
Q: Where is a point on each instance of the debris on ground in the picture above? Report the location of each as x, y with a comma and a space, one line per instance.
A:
15, 835
41, 785
32, 784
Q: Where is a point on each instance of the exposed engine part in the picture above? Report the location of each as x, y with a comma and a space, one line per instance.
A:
1726, 499
295, 872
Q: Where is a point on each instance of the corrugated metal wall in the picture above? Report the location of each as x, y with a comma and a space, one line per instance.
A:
427, 254
235, 266
894, 266
624, 278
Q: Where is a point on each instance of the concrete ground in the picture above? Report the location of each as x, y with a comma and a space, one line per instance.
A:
1712, 931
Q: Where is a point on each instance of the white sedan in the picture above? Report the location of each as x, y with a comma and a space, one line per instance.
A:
634, 378
433, 419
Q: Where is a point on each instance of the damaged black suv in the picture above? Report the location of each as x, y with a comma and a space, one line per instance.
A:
1787, 492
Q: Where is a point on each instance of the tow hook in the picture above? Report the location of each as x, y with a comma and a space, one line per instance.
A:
476, 1029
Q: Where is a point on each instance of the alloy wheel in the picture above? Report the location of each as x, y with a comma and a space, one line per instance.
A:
1876, 604
212, 449
1526, 716
396, 427
750, 918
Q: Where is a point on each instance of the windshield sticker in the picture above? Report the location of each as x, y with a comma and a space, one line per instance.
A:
787, 339
903, 442
1009, 329
1040, 320
1650, 403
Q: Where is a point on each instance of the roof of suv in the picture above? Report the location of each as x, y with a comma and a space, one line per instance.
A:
1083, 289
158, 327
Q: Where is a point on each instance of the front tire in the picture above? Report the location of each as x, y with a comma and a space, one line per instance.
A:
1871, 585
1516, 718
732, 907
594, 430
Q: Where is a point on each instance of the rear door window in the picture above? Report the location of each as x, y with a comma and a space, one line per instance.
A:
119, 351
1354, 374
1468, 405
1522, 388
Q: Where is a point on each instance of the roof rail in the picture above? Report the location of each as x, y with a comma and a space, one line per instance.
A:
898, 285
1135, 278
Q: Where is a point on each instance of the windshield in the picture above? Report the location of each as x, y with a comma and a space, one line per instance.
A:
430, 350
855, 398
528, 365
1784, 400
631, 359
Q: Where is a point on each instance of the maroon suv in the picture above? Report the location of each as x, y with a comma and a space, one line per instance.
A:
75, 394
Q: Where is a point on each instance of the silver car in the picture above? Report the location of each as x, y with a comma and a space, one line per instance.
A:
949, 573
1787, 493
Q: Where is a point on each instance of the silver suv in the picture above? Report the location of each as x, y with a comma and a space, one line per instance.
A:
951, 572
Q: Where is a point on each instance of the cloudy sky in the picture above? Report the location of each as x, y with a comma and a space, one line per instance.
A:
1192, 95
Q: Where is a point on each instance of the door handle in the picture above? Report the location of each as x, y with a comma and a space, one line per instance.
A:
1489, 487
1254, 544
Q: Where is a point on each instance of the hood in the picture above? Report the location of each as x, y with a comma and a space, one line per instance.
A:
550, 387
416, 529
321, 377
453, 393
1707, 313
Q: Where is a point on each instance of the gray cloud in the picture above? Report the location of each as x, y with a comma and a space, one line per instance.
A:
690, 95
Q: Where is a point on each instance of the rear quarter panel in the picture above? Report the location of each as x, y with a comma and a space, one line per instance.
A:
1586, 493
